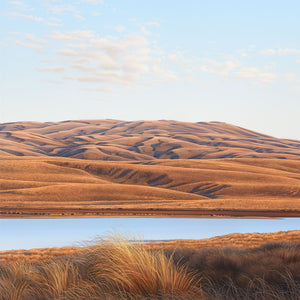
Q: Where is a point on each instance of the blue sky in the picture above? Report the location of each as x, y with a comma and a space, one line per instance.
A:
231, 61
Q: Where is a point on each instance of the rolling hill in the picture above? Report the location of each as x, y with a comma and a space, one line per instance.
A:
141, 140
105, 164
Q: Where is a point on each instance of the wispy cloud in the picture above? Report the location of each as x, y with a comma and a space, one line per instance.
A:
156, 24
71, 35
67, 52
52, 69
220, 68
281, 51
94, 2
51, 24
31, 38
110, 60
118, 28
256, 74
62, 9
29, 45
21, 6
232, 68
26, 17
172, 57
291, 77
3, 45
145, 31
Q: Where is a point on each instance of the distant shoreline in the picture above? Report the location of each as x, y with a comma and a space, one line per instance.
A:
121, 212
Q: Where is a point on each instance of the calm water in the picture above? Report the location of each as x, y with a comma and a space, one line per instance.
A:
38, 233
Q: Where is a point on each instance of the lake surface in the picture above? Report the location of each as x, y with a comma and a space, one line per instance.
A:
39, 233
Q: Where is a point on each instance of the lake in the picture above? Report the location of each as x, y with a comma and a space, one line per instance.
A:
39, 233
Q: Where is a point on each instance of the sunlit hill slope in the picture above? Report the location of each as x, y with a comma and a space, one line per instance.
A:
147, 165
140, 140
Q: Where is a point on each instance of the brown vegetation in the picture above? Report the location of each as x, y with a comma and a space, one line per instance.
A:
65, 183
117, 269
140, 140
98, 164
237, 240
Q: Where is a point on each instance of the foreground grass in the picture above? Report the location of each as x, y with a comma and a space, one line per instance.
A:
118, 269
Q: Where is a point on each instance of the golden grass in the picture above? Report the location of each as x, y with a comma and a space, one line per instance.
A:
140, 140
119, 269
238, 240
113, 270
133, 269
223, 183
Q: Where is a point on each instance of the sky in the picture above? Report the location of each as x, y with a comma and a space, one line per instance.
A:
196, 60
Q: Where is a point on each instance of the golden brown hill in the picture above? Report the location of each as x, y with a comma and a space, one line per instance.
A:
246, 240
140, 140
66, 183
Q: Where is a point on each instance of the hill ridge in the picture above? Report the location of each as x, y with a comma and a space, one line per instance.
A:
141, 140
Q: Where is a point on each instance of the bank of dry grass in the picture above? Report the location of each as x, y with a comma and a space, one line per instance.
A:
118, 269
64, 183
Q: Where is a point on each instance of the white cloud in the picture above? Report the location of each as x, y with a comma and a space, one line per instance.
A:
256, 74
113, 49
220, 68
52, 69
3, 45
21, 6
94, 2
106, 61
135, 68
79, 17
162, 73
111, 77
123, 60
53, 81
26, 17
118, 28
133, 40
61, 9
145, 31
84, 68
79, 46
291, 77
18, 4
105, 89
31, 38
67, 52
268, 52
71, 35
95, 13
280, 51
156, 24
29, 45
172, 57
54, 24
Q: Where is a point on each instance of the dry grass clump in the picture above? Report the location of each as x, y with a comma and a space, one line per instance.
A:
270, 271
114, 269
133, 270
121, 269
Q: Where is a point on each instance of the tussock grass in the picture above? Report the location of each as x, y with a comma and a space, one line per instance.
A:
133, 270
118, 268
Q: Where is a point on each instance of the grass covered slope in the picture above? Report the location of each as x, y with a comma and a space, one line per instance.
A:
118, 269
47, 182
237, 240
140, 140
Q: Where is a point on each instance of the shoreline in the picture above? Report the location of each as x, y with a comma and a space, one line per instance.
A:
13, 213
